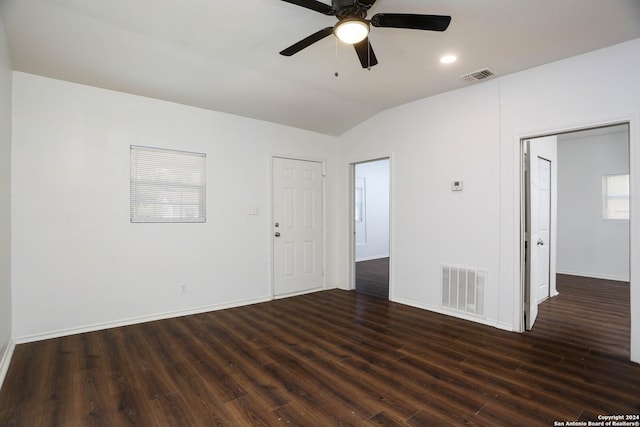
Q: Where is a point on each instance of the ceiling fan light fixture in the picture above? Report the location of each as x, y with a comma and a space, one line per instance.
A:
352, 30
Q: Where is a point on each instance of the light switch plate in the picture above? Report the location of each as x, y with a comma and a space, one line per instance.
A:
456, 185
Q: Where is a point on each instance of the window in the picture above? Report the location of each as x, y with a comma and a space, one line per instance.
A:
167, 185
615, 196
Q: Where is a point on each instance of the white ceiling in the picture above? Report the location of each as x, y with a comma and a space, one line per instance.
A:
223, 54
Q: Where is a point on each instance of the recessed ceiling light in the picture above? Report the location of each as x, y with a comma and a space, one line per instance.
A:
448, 59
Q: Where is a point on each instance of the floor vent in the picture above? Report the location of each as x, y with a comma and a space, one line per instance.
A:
478, 75
463, 289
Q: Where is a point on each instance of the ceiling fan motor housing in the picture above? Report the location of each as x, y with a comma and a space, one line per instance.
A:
349, 9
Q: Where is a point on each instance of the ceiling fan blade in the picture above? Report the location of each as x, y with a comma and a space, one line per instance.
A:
367, 3
314, 5
411, 21
365, 54
306, 42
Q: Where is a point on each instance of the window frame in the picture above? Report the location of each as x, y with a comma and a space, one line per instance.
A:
185, 166
606, 198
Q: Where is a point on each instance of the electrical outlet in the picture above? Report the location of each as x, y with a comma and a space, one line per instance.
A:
183, 288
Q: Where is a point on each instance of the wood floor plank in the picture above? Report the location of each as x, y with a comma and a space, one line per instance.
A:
372, 277
335, 358
296, 413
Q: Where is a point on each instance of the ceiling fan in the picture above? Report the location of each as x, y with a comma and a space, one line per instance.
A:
353, 27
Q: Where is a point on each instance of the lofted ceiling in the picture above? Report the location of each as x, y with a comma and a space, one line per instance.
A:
223, 54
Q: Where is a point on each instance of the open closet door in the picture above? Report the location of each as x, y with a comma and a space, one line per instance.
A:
538, 186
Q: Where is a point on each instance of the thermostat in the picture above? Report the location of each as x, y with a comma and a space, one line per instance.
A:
456, 185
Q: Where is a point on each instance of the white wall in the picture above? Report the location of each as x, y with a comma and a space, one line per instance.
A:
589, 245
78, 261
474, 135
432, 225
5, 205
376, 176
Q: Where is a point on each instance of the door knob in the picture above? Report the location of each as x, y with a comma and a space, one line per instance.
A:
540, 242
277, 234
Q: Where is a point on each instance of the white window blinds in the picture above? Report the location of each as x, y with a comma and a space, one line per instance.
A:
167, 185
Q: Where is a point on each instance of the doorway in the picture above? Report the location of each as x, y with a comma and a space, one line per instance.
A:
371, 190
584, 242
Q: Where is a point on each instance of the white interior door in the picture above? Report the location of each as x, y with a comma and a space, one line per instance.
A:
544, 228
538, 183
297, 228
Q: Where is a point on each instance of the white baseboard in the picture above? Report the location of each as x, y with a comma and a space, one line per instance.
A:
595, 275
5, 361
295, 294
453, 313
135, 320
505, 326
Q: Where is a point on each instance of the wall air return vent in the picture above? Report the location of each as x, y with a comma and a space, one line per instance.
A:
463, 289
478, 75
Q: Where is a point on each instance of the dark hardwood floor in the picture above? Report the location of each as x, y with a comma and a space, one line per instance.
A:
592, 314
372, 277
333, 358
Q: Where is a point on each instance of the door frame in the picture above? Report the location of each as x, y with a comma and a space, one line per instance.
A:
634, 221
351, 239
271, 240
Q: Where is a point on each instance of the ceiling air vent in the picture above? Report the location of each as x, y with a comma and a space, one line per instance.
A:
478, 75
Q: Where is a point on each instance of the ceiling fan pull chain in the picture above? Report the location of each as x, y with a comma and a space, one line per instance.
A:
336, 73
